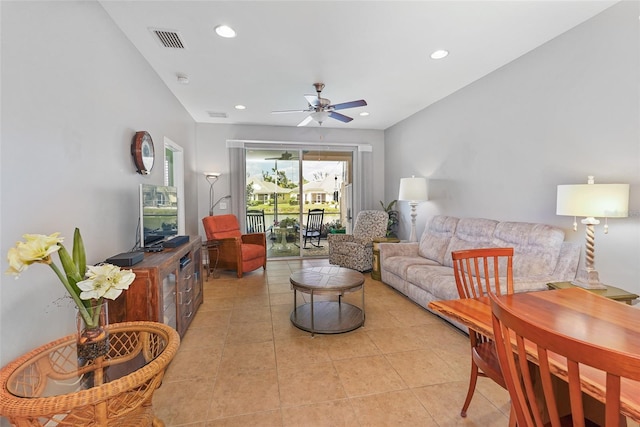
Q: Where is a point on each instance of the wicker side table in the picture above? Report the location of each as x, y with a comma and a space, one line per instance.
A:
46, 386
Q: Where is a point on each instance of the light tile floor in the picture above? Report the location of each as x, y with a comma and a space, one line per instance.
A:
242, 363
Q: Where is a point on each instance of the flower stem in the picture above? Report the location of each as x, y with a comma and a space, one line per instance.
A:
83, 310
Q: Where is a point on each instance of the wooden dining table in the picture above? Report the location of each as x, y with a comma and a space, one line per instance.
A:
574, 312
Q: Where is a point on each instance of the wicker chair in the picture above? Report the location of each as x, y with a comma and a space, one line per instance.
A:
236, 251
355, 250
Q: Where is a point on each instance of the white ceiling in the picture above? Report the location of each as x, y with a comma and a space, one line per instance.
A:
372, 50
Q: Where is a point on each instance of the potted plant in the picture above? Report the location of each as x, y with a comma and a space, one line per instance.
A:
288, 222
336, 227
291, 227
394, 217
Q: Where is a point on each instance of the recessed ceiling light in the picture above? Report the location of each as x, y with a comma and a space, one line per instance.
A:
439, 54
183, 79
225, 31
240, 107
364, 113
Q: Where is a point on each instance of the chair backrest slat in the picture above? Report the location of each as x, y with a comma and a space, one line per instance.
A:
315, 217
255, 221
478, 272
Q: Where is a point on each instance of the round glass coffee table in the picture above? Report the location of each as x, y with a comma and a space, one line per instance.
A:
327, 317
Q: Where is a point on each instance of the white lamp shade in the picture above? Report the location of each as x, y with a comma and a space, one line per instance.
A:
593, 200
413, 189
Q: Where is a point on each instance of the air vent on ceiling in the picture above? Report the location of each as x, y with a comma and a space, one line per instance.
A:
216, 115
168, 38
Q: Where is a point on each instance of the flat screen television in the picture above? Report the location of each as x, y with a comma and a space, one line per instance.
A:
158, 213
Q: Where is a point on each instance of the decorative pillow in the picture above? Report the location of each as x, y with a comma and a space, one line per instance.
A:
436, 237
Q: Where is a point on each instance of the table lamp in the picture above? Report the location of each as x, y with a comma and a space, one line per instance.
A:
590, 201
413, 190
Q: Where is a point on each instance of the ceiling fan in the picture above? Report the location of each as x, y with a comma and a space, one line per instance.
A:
284, 156
321, 108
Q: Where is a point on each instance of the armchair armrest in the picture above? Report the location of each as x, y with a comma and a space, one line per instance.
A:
255, 239
335, 238
221, 244
212, 244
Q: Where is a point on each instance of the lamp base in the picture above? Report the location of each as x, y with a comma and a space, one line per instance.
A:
592, 281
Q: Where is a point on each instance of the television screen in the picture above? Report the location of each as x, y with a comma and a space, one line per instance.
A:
158, 213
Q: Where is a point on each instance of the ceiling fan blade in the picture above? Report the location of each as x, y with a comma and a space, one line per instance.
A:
305, 121
284, 156
313, 100
352, 104
290, 111
341, 117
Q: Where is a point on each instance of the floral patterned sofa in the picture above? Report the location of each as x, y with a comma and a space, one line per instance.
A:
355, 250
423, 271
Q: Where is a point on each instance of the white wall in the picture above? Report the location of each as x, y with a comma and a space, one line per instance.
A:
499, 147
213, 155
74, 91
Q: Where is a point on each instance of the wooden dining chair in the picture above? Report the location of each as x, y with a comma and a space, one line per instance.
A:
518, 337
480, 272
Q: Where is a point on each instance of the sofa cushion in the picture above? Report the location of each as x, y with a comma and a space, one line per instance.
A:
536, 246
436, 237
437, 280
399, 265
471, 233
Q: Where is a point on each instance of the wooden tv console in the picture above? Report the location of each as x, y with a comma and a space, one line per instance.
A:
167, 288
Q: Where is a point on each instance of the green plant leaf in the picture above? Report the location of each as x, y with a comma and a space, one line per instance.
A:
70, 269
79, 254
388, 208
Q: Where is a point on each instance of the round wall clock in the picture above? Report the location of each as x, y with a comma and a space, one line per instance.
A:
142, 152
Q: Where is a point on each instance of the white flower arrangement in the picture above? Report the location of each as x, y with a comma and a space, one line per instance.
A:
87, 285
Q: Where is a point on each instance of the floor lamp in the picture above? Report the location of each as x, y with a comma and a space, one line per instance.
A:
212, 178
413, 190
591, 201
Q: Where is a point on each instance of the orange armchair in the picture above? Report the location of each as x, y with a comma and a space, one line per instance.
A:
236, 251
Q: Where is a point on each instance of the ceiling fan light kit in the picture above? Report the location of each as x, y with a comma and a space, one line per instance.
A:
320, 109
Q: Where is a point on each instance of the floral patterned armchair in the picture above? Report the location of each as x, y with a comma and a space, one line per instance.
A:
355, 250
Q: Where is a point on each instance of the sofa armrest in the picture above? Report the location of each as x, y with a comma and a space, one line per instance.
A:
388, 250
568, 261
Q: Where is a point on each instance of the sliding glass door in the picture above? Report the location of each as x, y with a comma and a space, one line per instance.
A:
285, 185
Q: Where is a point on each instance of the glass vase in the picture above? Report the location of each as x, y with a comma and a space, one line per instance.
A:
93, 341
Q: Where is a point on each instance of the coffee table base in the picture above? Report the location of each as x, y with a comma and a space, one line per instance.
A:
329, 317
